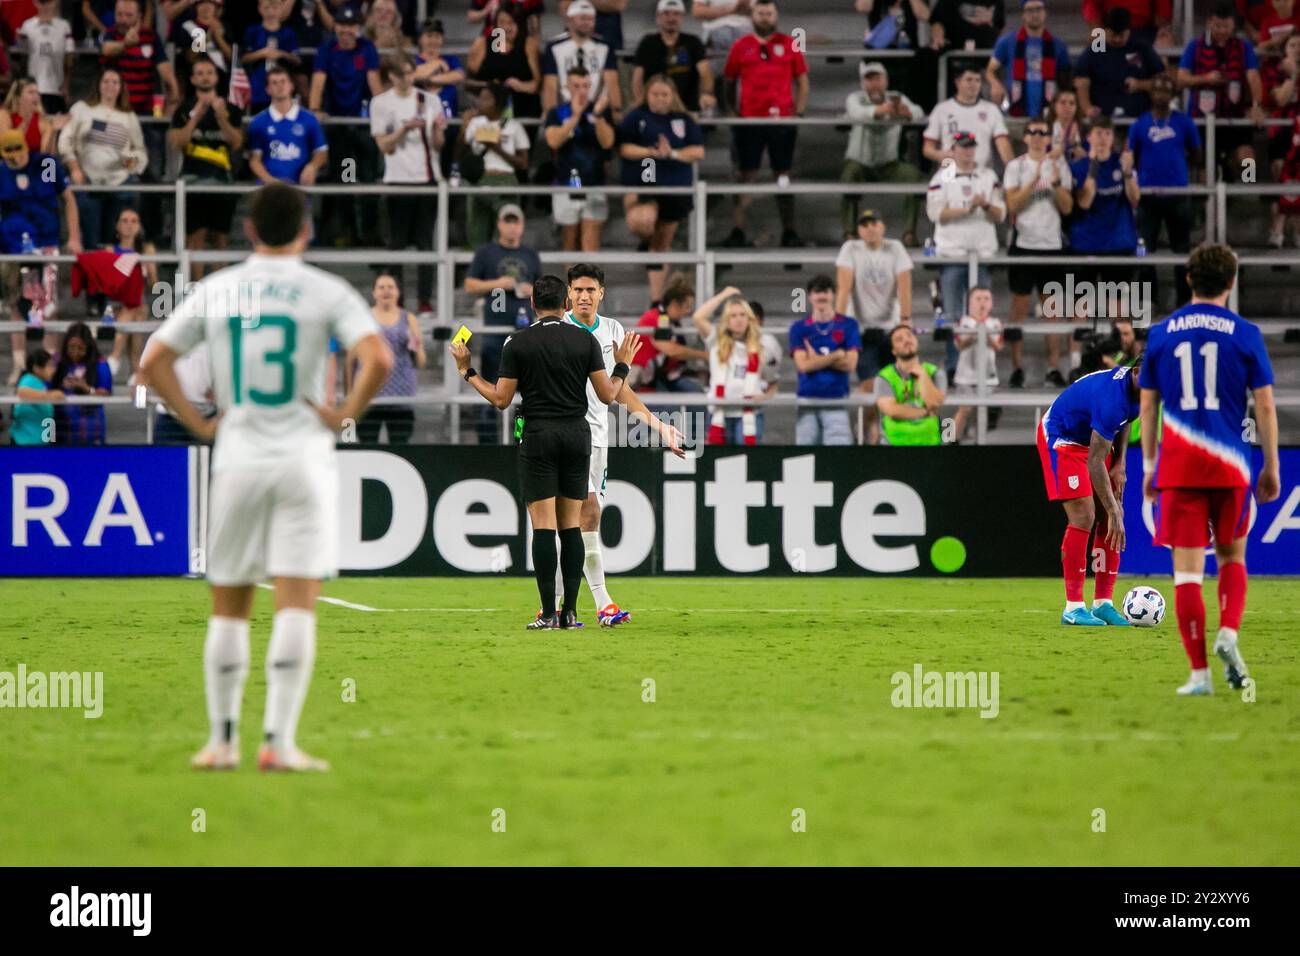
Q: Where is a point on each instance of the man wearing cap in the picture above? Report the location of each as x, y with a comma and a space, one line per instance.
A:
966, 111
678, 56
1037, 62
965, 204
872, 156
1115, 80
609, 20
579, 45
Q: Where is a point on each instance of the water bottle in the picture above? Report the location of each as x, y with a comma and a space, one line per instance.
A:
929, 248
521, 318
107, 318
453, 179
575, 181
36, 318
1141, 251
29, 247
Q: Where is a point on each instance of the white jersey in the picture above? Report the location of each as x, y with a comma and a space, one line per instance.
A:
981, 118
972, 233
268, 323
609, 332
47, 42
563, 53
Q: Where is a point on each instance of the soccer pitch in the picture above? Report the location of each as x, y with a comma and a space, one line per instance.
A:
770, 696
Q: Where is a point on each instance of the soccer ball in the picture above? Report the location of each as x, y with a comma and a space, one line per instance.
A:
1144, 607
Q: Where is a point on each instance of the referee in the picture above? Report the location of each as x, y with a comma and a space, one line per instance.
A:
550, 363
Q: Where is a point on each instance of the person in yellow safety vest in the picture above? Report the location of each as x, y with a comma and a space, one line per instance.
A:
909, 394
1130, 350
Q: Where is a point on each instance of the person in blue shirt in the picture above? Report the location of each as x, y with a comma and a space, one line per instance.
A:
825, 346
34, 416
269, 43
1106, 197
81, 371
285, 141
1030, 65
1160, 141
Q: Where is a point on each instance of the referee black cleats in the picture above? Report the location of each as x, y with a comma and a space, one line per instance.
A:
559, 621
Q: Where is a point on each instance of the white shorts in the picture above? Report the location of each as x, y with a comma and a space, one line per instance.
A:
273, 522
599, 472
569, 211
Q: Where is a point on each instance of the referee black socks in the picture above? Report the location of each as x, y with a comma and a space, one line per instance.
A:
572, 555
545, 562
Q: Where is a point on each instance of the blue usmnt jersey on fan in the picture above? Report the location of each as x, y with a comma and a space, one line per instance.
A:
1202, 360
1101, 402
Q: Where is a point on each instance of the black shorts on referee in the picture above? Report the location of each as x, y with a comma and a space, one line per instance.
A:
555, 459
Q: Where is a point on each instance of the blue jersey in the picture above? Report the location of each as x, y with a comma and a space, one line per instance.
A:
1202, 360
347, 92
29, 202
1102, 402
1109, 224
825, 337
286, 143
1160, 148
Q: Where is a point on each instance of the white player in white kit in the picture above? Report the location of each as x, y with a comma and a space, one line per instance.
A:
586, 292
274, 498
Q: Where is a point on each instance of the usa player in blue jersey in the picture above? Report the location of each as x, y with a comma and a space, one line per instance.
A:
1202, 364
1081, 443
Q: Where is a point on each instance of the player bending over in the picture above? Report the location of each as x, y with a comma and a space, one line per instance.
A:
586, 292
1081, 442
274, 513
1200, 363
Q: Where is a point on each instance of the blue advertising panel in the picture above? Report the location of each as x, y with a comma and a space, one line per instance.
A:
95, 511
1273, 546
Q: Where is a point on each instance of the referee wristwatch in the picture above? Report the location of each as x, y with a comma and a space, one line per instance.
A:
469, 373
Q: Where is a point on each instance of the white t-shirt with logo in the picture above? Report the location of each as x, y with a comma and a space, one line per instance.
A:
981, 118
47, 43
513, 139
967, 361
415, 159
565, 53
976, 232
874, 298
1038, 225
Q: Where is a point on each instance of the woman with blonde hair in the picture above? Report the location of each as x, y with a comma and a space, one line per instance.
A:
384, 28
23, 112
744, 363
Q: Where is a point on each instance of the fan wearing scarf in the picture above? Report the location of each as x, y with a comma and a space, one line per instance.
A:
743, 364
1039, 64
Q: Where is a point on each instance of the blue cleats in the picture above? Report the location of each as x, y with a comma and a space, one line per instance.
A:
1109, 614
1081, 617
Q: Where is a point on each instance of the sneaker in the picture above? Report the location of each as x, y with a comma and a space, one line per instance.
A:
1234, 668
223, 756
1277, 239
611, 616
790, 240
1081, 617
541, 623
1054, 378
293, 761
1196, 687
735, 240
1108, 613
1017, 378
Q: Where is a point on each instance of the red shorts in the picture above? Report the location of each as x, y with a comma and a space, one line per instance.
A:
1065, 469
1185, 517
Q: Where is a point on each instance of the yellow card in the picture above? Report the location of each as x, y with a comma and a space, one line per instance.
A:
462, 336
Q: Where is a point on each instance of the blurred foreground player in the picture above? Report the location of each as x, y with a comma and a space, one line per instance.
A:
550, 363
1199, 364
1081, 442
268, 323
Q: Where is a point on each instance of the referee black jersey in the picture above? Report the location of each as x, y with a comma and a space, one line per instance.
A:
552, 361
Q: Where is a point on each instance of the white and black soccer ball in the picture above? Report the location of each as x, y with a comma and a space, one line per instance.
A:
1144, 607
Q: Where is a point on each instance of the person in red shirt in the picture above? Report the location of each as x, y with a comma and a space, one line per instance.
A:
1275, 27
765, 64
1151, 18
661, 360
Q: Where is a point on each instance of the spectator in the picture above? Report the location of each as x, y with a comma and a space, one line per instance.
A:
194, 372
208, 132
128, 237
825, 347
1282, 79
384, 28
308, 23
765, 64
609, 19
1161, 141
1274, 29
1125, 346
402, 332
527, 13
905, 25
103, 145
47, 41
202, 34
80, 371
1067, 140
872, 156
873, 284
33, 423
661, 139
1106, 194
965, 204
438, 72
723, 22
503, 272
1039, 64
503, 146
285, 141
513, 62
1039, 192
346, 76
973, 358
744, 363
1222, 79
99, 15
408, 126
909, 394
269, 43
578, 46
679, 56
1115, 80
581, 134
23, 112
1150, 18
662, 361
967, 112
969, 25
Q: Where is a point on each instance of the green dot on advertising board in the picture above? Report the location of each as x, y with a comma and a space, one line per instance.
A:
947, 555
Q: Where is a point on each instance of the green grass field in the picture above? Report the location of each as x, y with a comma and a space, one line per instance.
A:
770, 695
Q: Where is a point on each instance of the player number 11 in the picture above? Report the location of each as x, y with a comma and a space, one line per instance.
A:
1210, 352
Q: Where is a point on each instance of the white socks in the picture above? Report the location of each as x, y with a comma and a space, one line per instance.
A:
289, 662
1073, 606
225, 666
593, 567
1098, 602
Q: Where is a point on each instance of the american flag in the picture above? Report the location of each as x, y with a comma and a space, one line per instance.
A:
104, 133
241, 91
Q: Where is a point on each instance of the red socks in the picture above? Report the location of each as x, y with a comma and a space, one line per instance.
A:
1189, 606
1232, 594
1107, 567
1074, 561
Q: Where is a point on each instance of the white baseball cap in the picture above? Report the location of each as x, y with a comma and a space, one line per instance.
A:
670, 5
580, 6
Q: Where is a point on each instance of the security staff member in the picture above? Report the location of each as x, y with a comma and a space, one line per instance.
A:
550, 363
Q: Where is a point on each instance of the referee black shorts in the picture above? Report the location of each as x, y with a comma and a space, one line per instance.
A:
555, 459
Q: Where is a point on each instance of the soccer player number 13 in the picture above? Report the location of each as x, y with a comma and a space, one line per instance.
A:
1210, 352
282, 357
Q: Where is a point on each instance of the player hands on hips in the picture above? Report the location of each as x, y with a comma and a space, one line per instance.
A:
1081, 442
